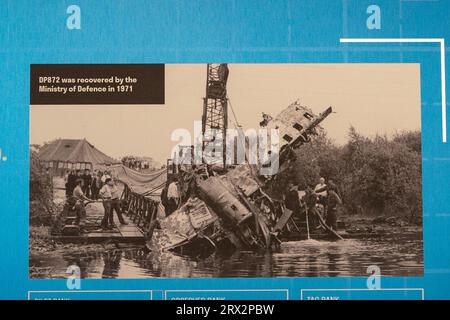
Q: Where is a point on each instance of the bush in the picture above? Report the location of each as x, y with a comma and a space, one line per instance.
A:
41, 193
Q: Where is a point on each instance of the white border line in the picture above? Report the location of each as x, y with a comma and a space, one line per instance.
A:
230, 290
88, 291
441, 41
364, 289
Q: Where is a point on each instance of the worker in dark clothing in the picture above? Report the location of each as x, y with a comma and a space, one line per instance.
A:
292, 200
87, 178
310, 199
96, 186
333, 200
71, 183
336, 188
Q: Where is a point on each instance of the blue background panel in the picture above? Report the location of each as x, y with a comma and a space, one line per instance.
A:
200, 31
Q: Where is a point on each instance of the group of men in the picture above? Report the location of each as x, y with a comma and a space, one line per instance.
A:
92, 182
323, 194
135, 164
108, 192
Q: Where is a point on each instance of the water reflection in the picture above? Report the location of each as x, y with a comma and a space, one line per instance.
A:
400, 256
111, 264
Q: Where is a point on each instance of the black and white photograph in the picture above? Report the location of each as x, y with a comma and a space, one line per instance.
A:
245, 171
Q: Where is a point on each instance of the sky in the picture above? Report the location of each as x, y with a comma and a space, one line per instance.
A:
374, 98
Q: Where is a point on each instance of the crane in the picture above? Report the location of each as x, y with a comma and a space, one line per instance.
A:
215, 113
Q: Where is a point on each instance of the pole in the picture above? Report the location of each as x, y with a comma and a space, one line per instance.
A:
307, 221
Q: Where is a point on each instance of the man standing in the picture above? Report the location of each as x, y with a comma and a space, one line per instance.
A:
66, 183
333, 200
96, 185
115, 201
79, 197
87, 182
310, 200
173, 197
321, 191
71, 182
105, 194
110, 196
292, 200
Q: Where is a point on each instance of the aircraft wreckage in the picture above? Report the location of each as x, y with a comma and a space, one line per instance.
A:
231, 207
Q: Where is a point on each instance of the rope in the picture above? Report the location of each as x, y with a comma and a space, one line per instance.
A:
236, 122
238, 126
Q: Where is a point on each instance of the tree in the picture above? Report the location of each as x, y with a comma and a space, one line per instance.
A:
374, 175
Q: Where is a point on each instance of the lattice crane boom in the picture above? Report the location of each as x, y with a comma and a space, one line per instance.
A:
215, 110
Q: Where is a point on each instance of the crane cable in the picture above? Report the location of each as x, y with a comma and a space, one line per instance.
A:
236, 122
238, 127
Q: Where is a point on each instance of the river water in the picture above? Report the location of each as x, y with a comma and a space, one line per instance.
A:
397, 255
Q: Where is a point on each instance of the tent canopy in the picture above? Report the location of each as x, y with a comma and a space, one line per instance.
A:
74, 151
149, 184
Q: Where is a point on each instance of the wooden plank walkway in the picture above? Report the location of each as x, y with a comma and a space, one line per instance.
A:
131, 233
95, 234
120, 233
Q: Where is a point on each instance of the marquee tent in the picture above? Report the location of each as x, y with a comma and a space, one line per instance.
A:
74, 154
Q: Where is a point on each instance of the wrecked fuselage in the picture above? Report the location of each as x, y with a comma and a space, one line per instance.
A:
231, 209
